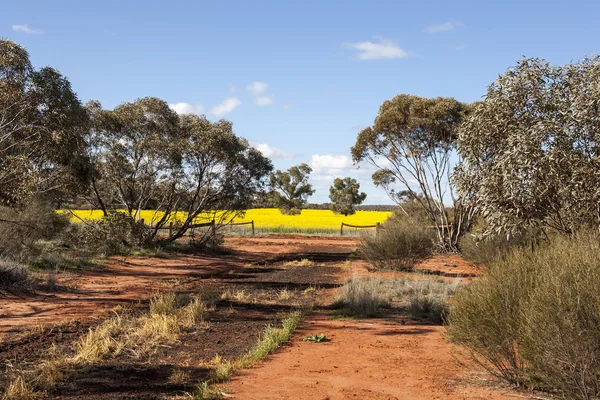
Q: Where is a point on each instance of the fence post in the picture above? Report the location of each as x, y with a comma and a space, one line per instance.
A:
252, 227
342, 229
142, 221
377, 228
170, 228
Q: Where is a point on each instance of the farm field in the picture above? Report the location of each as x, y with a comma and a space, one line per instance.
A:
258, 284
272, 220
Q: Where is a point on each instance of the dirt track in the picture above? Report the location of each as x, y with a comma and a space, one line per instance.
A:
369, 359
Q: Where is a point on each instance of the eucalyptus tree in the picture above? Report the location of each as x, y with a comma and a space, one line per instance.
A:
132, 152
411, 145
344, 195
290, 189
219, 175
42, 126
531, 149
185, 168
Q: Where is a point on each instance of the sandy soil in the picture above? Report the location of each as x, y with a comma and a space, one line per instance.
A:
368, 359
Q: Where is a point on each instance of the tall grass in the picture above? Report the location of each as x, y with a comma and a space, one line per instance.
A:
534, 318
422, 298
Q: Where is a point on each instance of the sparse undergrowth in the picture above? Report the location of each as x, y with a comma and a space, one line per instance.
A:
271, 339
422, 298
123, 333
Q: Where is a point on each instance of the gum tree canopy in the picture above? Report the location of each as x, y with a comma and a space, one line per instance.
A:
344, 195
411, 144
42, 124
531, 149
145, 156
290, 189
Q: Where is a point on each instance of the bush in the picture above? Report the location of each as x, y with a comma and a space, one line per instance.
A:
484, 250
534, 318
21, 230
13, 275
116, 233
398, 246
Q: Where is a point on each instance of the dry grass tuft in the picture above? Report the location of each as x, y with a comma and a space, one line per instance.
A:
423, 298
19, 389
305, 262
123, 332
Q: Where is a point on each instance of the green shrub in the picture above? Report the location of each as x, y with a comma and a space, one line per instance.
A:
116, 233
21, 230
14, 275
398, 246
534, 318
485, 249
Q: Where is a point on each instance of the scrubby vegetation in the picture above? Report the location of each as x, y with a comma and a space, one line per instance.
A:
421, 298
486, 249
399, 245
534, 317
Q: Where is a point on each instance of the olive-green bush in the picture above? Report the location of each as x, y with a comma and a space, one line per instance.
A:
534, 317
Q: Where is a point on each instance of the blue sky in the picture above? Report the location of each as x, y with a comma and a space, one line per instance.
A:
298, 79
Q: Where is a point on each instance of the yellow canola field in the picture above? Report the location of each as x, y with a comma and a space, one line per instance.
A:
272, 218
312, 219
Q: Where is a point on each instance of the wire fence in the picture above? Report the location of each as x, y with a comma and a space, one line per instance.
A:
212, 224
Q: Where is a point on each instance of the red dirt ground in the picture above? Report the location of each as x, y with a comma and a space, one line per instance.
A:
368, 359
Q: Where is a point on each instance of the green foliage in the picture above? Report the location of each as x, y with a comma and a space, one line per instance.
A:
146, 156
534, 318
290, 189
344, 195
22, 230
486, 249
530, 149
399, 245
116, 233
42, 124
320, 338
413, 139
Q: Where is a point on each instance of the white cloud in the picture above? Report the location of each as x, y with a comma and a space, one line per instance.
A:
273, 152
187, 108
257, 88
449, 26
227, 106
384, 49
25, 28
263, 100
331, 163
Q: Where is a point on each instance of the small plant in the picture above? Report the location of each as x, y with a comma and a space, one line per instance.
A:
14, 275
320, 338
